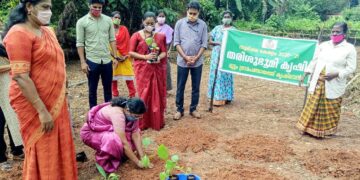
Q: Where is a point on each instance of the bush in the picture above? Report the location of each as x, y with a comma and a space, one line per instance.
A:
5, 9
276, 21
248, 26
352, 14
210, 14
328, 7
295, 24
302, 9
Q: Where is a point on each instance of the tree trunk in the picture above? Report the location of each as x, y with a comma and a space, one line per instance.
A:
67, 19
217, 4
135, 19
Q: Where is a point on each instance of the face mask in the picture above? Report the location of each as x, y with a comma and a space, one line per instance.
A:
96, 12
226, 21
149, 28
44, 17
193, 18
161, 20
130, 118
337, 38
116, 21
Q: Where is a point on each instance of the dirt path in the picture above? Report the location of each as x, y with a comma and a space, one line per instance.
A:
253, 138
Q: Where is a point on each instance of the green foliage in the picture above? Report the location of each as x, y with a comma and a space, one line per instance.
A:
328, 7
146, 142
163, 152
302, 9
276, 21
331, 21
171, 16
171, 163
282, 16
112, 176
163, 176
101, 170
145, 161
5, 8
280, 7
175, 158
210, 14
352, 14
292, 24
248, 25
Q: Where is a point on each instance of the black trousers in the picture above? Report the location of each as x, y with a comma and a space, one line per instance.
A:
15, 150
96, 71
182, 76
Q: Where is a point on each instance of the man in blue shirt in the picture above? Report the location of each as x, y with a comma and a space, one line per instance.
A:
190, 40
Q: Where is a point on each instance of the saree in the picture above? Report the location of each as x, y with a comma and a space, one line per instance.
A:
98, 133
150, 82
125, 68
47, 155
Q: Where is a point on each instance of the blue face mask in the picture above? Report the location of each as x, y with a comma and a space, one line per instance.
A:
130, 118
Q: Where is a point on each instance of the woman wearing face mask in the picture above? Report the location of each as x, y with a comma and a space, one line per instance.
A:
162, 27
224, 90
334, 61
150, 77
37, 92
112, 130
124, 70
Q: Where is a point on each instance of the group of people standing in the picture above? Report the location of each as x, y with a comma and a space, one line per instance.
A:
33, 58
39, 109
143, 55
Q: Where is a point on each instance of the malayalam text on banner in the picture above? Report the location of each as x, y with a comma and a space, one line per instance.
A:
266, 57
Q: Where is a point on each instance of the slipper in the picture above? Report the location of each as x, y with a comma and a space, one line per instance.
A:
18, 157
5, 166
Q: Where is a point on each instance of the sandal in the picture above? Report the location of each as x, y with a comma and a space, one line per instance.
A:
19, 157
5, 166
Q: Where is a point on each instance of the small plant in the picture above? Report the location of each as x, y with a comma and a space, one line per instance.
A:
153, 47
171, 164
111, 176
146, 160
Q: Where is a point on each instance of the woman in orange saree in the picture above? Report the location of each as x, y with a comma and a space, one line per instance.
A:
37, 93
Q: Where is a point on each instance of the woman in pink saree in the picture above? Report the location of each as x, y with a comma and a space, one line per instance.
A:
112, 129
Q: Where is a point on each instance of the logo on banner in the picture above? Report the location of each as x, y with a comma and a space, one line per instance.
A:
270, 44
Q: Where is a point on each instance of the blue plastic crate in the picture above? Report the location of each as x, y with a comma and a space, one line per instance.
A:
184, 176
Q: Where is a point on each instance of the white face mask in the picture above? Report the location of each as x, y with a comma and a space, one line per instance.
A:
161, 20
149, 28
226, 21
44, 16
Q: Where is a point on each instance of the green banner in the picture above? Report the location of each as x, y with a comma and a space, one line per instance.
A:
266, 57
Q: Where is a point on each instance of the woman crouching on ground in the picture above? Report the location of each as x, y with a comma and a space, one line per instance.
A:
112, 129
